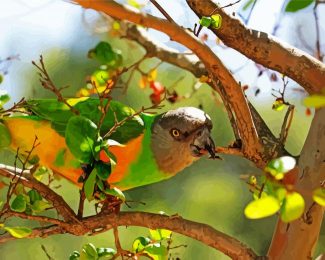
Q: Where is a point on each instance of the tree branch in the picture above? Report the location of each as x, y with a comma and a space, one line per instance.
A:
265, 49
252, 147
28, 181
192, 64
286, 243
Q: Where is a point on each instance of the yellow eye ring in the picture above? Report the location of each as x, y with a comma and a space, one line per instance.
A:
175, 133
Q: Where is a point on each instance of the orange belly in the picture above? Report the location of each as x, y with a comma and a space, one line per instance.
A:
24, 130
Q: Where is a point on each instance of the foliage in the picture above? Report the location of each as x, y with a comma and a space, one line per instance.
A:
296, 5
30, 202
156, 246
214, 21
275, 194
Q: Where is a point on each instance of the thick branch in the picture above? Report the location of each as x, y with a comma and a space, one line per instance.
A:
28, 181
265, 49
188, 62
252, 148
196, 67
37, 232
287, 242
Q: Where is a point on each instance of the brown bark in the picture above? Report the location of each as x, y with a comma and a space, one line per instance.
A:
265, 49
252, 148
299, 239
102, 222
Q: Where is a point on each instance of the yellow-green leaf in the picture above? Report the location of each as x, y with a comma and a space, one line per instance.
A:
18, 232
90, 185
262, 207
293, 207
152, 75
140, 243
278, 105
5, 137
115, 192
19, 203
216, 21
319, 196
160, 234
315, 101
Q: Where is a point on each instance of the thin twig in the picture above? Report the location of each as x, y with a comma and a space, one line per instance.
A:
124, 120
47, 83
286, 124
46, 253
162, 10
318, 53
250, 12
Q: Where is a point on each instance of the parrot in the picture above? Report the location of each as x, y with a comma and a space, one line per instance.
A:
148, 148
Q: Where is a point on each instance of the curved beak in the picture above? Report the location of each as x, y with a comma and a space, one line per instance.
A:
203, 143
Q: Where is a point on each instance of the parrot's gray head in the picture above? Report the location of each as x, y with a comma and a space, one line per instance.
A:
180, 137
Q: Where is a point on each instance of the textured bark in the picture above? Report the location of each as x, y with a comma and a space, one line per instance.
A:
265, 49
252, 148
299, 239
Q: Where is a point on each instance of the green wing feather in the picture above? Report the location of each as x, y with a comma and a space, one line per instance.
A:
59, 114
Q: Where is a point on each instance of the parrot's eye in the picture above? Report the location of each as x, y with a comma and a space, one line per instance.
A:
175, 132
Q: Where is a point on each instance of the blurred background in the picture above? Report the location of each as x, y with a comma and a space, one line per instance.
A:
209, 191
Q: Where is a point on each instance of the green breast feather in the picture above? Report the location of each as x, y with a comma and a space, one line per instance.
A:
144, 170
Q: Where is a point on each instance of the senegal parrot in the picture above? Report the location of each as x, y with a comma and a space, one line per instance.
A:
147, 148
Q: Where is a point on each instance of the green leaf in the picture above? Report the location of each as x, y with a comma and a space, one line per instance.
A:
34, 160
19, 203
105, 252
248, 4
216, 21
1, 78
319, 196
140, 243
74, 255
315, 101
205, 21
40, 172
81, 134
296, 5
18, 232
278, 167
90, 185
34, 196
293, 206
90, 250
281, 194
106, 55
116, 193
4, 97
5, 137
40, 205
100, 77
156, 251
103, 170
59, 159
160, 234
278, 105
134, 3
262, 207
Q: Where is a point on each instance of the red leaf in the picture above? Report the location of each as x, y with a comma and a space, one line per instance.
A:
273, 77
157, 87
204, 37
308, 111
173, 97
155, 98
245, 87
291, 177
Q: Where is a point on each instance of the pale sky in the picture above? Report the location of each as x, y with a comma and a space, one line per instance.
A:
30, 27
